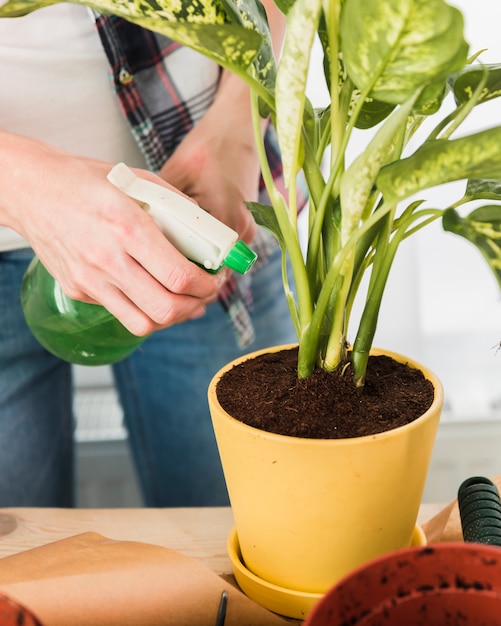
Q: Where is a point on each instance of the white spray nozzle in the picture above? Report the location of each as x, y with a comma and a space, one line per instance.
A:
194, 232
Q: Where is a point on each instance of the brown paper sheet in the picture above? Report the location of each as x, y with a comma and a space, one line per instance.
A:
90, 580
446, 525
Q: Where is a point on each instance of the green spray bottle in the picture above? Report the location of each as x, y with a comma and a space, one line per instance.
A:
88, 334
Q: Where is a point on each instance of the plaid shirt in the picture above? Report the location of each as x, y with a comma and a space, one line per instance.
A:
164, 88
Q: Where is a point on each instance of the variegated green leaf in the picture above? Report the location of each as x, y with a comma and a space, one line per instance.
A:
16, 8
202, 25
393, 47
465, 83
302, 22
251, 14
372, 112
482, 228
441, 161
199, 11
483, 189
358, 180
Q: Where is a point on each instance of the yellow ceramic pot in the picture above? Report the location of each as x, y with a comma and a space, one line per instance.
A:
308, 511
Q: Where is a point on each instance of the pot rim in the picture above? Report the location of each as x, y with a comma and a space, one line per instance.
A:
392, 561
433, 408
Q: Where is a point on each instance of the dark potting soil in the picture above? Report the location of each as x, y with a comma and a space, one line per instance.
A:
266, 393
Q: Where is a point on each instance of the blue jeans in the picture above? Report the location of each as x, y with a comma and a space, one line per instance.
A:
162, 388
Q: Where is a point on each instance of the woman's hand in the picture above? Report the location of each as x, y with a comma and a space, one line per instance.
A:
216, 163
96, 242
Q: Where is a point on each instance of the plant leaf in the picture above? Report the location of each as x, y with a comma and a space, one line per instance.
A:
358, 180
252, 15
302, 23
16, 8
482, 227
483, 189
205, 12
372, 113
323, 37
264, 215
284, 5
393, 47
465, 83
203, 26
311, 121
441, 161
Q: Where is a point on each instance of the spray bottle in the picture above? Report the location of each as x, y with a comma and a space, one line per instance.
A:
88, 334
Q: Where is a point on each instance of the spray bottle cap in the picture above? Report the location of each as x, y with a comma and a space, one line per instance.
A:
194, 232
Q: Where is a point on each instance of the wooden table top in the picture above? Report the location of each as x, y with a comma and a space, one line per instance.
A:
200, 533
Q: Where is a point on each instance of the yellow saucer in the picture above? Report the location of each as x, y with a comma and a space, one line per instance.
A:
287, 602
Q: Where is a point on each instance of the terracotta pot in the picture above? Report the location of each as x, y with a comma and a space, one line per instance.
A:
13, 614
308, 511
446, 584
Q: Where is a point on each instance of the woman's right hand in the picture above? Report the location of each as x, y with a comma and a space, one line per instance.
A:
96, 242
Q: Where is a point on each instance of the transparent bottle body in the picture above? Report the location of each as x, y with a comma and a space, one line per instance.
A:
77, 332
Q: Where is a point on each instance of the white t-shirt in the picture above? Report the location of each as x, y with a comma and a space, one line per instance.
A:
55, 87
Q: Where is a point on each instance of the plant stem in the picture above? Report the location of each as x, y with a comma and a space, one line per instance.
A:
335, 348
457, 117
307, 356
368, 322
301, 311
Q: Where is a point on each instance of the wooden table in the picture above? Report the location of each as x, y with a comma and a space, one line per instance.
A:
197, 532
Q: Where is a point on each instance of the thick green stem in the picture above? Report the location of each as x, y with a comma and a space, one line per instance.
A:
368, 322
310, 350
302, 314
335, 348
386, 255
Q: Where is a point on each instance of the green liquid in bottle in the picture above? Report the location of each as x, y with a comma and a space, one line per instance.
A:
77, 332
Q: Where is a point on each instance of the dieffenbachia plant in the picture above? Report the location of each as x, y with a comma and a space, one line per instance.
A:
389, 65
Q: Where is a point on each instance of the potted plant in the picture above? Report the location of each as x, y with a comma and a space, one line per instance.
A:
389, 66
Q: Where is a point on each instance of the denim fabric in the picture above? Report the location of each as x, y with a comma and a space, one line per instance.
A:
163, 391
36, 421
163, 387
